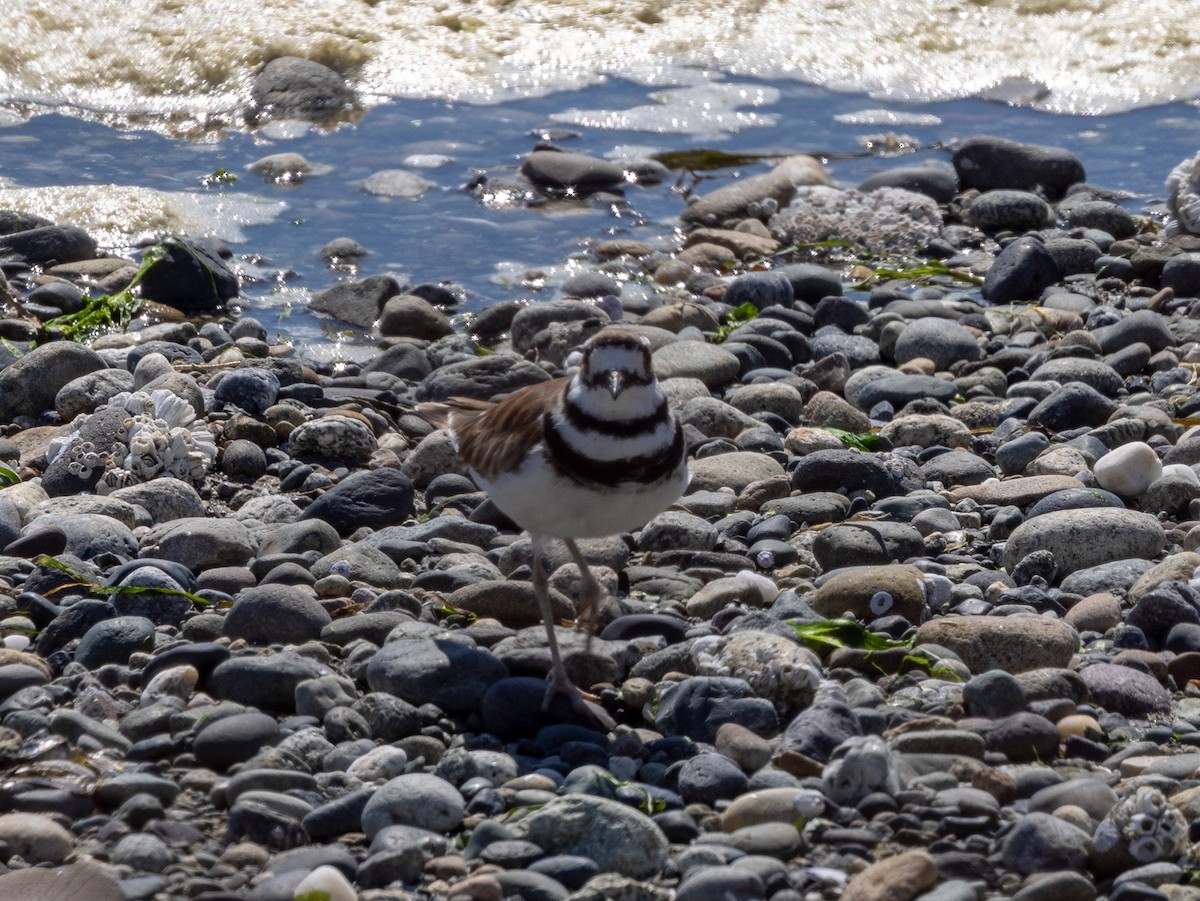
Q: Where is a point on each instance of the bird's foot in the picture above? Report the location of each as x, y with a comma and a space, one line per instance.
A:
585, 704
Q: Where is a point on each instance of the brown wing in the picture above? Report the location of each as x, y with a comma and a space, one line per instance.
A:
494, 437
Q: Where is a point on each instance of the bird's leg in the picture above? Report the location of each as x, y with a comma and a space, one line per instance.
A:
590, 592
558, 682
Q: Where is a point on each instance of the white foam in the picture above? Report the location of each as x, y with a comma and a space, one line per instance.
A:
189, 65
117, 215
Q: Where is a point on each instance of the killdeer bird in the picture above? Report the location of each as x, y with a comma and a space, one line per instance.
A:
584, 456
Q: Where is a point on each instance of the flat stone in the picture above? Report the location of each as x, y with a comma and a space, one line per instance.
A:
1010, 643
1079, 539
1018, 492
898, 878
618, 838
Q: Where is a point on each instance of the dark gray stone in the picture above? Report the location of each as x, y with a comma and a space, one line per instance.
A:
993, 695
1072, 406
275, 614
356, 302
1020, 272
481, 377
986, 163
48, 245
250, 388
699, 706
1182, 274
450, 674
762, 289
811, 282
1007, 210
817, 731
289, 87
29, 386
114, 640
232, 739
376, 498
1124, 690
266, 682
190, 276
943, 341
560, 171
935, 179
708, 778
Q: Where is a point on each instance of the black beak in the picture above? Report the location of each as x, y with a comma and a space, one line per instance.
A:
616, 383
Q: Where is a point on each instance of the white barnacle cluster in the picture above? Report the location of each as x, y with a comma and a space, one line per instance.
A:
878, 220
1183, 197
164, 439
83, 459
1146, 824
160, 436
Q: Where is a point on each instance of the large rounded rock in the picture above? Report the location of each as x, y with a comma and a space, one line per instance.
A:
1002, 209
578, 171
1009, 643
376, 498
1124, 690
1021, 271
901, 876
1041, 842
933, 338
844, 470
292, 87
189, 276
28, 386
73, 882
616, 837
1128, 470
275, 614
734, 470
36, 838
848, 544
987, 163
1079, 539
114, 641
232, 739
414, 799
453, 675
713, 365
199, 543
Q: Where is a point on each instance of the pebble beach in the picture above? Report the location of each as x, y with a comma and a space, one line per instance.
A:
925, 624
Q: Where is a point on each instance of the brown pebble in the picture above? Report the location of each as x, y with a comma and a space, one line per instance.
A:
997, 783
897, 878
450, 867
1145, 661
484, 887
1185, 667
743, 747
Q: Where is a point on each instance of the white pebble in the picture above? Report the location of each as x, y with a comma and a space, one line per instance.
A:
1180, 469
767, 589
1129, 469
384, 762
327, 881
16, 642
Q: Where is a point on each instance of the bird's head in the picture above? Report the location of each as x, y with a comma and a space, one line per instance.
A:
615, 361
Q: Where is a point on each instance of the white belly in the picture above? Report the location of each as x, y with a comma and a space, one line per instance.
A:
542, 502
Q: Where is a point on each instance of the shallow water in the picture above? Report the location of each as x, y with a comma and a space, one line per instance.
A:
128, 184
